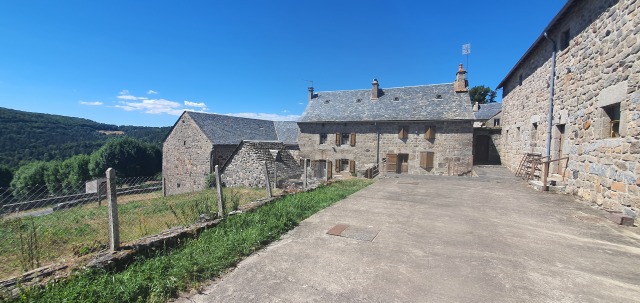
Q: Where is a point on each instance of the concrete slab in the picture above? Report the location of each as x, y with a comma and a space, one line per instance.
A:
445, 239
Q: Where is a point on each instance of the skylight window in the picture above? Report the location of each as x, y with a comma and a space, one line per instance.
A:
327, 101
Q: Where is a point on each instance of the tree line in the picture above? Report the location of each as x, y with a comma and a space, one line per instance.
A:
26, 136
128, 156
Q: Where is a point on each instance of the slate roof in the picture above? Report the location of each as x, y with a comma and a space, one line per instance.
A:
230, 130
487, 111
410, 103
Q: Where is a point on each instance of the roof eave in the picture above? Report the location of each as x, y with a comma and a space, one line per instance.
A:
535, 44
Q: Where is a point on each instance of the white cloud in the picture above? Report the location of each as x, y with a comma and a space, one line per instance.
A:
154, 106
152, 92
124, 92
264, 116
127, 97
95, 103
195, 104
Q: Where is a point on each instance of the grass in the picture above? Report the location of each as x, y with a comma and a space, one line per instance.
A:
81, 230
216, 250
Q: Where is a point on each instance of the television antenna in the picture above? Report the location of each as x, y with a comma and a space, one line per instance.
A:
310, 81
466, 50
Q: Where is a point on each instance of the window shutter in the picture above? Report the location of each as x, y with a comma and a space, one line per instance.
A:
402, 133
352, 166
329, 169
352, 139
338, 137
430, 133
426, 160
337, 163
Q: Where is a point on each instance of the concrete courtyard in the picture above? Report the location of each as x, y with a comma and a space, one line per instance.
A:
443, 239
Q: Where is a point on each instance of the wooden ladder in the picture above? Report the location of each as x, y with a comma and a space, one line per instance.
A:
529, 164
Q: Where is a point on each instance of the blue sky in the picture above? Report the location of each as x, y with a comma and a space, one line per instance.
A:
144, 62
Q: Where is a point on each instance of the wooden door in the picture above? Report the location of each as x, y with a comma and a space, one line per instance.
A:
392, 161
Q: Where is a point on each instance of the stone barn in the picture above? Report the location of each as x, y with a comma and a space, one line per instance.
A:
576, 93
200, 141
247, 164
426, 129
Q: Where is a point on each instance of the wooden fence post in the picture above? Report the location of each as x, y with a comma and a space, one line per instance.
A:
220, 198
164, 188
305, 173
114, 231
275, 174
266, 176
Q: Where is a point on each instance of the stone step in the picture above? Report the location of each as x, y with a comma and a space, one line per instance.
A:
537, 185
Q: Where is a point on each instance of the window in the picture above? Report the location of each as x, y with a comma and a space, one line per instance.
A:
430, 133
520, 79
534, 132
352, 139
426, 160
344, 139
323, 138
612, 119
184, 142
496, 122
565, 38
403, 132
178, 185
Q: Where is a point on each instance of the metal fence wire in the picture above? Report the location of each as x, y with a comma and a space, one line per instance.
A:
55, 223
45, 223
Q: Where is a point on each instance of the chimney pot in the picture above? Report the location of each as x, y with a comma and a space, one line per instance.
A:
461, 85
375, 87
310, 93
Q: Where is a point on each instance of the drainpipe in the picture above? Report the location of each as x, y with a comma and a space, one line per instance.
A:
553, 80
551, 93
377, 143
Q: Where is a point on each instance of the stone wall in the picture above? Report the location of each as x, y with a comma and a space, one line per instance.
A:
597, 71
452, 144
185, 158
246, 167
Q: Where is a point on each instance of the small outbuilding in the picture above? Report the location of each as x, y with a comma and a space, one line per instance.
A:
200, 141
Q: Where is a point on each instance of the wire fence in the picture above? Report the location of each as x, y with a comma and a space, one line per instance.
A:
54, 223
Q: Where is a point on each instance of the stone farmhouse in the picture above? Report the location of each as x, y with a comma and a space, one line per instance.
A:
426, 129
576, 93
200, 141
486, 133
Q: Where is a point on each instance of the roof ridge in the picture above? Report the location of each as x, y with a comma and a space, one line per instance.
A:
383, 88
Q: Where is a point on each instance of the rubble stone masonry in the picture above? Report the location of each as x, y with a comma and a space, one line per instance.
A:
597, 79
452, 145
186, 158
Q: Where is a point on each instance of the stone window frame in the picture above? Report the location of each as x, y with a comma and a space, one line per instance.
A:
565, 39
345, 139
611, 120
323, 138
496, 122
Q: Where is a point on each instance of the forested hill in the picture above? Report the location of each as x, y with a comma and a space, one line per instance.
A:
26, 136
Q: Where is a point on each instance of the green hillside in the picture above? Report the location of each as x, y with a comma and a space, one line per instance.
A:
26, 136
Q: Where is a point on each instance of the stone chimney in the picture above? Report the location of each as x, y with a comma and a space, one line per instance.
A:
310, 93
476, 107
374, 89
461, 85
